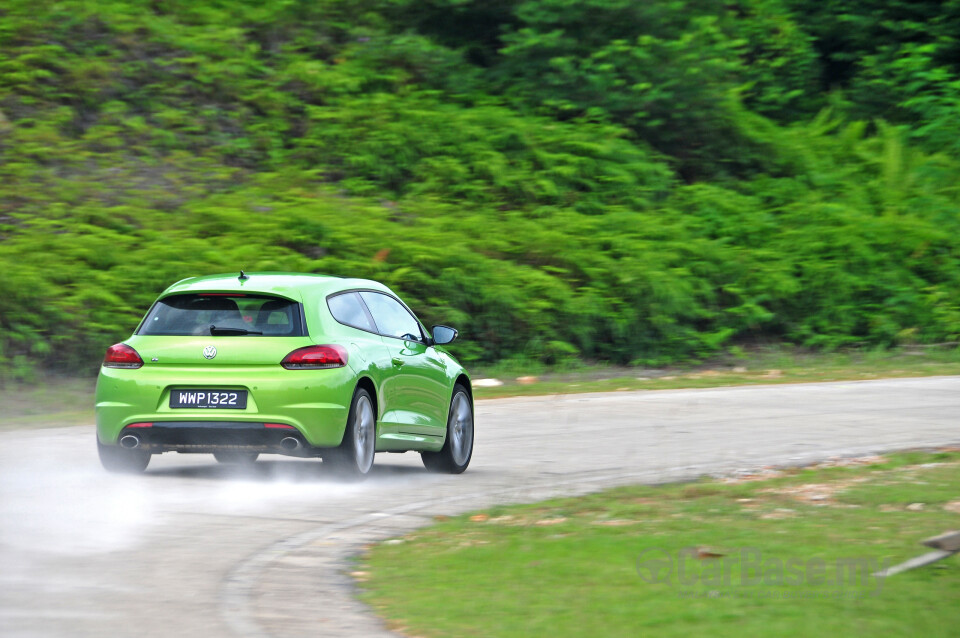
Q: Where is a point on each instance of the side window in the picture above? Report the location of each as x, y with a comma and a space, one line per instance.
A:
348, 310
392, 319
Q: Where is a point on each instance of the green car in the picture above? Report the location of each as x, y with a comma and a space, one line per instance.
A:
294, 364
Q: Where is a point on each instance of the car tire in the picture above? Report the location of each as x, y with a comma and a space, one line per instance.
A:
235, 457
354, 458
457, 450
114, 458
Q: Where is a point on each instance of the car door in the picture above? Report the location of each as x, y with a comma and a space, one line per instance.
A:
348, 309
416, 390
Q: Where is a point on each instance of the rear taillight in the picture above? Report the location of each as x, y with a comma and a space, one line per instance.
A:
122, 356
315, 358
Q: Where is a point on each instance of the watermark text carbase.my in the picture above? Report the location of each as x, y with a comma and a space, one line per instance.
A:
748, 572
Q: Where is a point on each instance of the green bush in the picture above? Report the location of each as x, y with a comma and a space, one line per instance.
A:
608, 180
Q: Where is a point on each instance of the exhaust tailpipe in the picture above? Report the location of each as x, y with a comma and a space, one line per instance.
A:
290, 443
130, 441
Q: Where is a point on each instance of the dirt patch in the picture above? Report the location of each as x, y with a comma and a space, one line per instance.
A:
763, 474
816, 493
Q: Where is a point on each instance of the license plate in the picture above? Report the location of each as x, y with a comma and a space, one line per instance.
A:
209, 398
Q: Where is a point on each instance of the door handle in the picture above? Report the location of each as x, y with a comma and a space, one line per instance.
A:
397, 363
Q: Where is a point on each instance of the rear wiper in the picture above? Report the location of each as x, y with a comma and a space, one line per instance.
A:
222, 332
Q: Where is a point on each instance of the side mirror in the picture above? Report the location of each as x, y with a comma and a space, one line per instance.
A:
443, 335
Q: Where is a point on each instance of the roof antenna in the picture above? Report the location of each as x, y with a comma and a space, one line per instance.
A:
243, 277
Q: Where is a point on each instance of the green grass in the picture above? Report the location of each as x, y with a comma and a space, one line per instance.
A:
50, 401
569, 567
759, 367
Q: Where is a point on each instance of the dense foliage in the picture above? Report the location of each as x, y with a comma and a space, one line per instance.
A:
606, 179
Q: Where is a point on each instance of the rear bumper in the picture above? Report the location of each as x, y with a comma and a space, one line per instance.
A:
315, 402
207, 436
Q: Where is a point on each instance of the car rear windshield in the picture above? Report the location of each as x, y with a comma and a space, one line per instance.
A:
224, 315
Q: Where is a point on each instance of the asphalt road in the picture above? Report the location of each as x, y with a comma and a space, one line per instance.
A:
196, 549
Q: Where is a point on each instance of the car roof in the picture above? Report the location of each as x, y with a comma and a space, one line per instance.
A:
283, 284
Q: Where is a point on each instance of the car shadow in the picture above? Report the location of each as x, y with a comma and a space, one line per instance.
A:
296, 471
